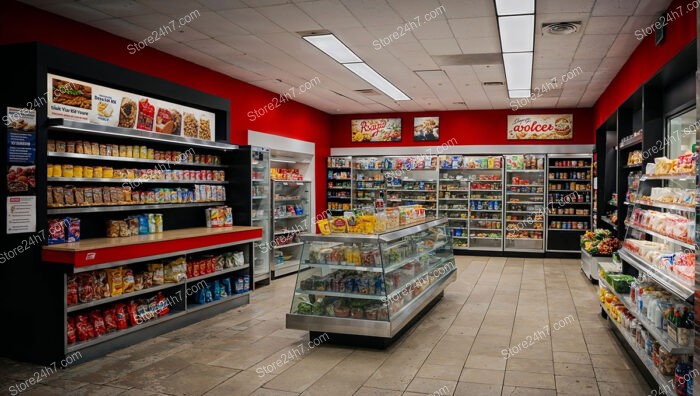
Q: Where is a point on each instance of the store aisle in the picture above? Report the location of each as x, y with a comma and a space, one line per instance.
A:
457, 348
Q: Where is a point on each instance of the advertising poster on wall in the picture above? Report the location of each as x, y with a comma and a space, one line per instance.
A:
540, 126
426, 129
376, 130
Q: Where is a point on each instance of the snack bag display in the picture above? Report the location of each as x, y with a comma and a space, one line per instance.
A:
114, 278
338, 225
157, 271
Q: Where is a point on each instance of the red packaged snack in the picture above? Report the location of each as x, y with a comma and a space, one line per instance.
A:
70, 331
101, 288
120, 315
133, 313
57, 233
144, 120
188, 273
163, 307
98, 322
211, 264
85, 287
195, 268
84, 329
72, 290
110, 320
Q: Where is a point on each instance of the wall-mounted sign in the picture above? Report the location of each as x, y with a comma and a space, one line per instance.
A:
426, 128
376, 130
80, 101
540, 126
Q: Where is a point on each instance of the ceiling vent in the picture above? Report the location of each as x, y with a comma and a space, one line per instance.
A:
367, 92
561, 28
493, 83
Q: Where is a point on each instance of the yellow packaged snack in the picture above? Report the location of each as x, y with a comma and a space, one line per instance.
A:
57, 170
78, 171
324, 226
87, 172
49, 171
98, 172
338, 225
67, 170
368, 223
114, 278
107, 172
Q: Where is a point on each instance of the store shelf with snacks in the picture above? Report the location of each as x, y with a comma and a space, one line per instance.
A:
525, 173
569, 200
670, 281
289, 220
126, 208
380, 308
128, 181
114, 158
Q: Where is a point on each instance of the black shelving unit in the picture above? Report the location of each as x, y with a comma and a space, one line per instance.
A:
339, 184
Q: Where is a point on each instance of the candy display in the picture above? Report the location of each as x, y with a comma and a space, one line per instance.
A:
67, 196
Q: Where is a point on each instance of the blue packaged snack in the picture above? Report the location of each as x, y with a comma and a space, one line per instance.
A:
57, 231
215, 290
201, 296
143, 224
226, 283
246, 283
72, 227
208, 293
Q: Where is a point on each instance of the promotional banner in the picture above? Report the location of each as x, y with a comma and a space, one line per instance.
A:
540, 126
376, 130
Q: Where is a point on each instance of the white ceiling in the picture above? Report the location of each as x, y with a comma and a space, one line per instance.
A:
257, 41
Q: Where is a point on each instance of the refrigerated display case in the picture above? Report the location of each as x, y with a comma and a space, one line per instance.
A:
290, 212
368, 182
260, 212
339, 184
525, 200
371, 285
569, 202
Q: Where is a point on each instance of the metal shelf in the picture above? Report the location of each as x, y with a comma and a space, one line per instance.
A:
525, 185
60, 124
94, 303
684, 208
215, 273
569, 167
125, 208
606, 219
669, 281
347, 295
631, 142
667, 177
283, 232
337, 197
664, 237
576, 180
348, 267
289, 245
129, 181
129, 159
567, 215
197, 307
660, 335
391, 267
259, 197
568, 229
291, 217
525, 170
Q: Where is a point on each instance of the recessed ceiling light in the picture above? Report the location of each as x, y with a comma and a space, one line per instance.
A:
333, 47
517, 33
368, 74
518, 68
515, 7
519, 93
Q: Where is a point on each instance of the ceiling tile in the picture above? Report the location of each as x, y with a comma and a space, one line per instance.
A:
290, 17
263, 3
374, 13
653, 7
214, 25
594, 46
122, 28
441, 46
605, 24
554, 6
219, 5
623, 46
173, 8
76, 11
330, 14
251, 20
416, 10
430, 30
469, 28
213, 47
614, 7
482, 45
469, 9
117, 8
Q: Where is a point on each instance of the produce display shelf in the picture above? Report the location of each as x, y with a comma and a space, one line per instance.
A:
488, 238
125, 208
660, 335
60, 124
662, 236
523, 229
216, 273
459, 237
670, 282
415, 279
524, 239
485, 229
129, 159
97, 253
661, 380
348, 267
94, 303
128, 181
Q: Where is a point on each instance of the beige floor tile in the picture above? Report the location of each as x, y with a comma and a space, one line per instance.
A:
195, 379
432, 386
583, 386
615, 375
272, 392
522, 391
309, 370
98, 390
572, 357
530, 365
479, 376
574, 370
529, 380
619, 389
474, 389
485, 362
241, 384
367, 391
347, 376
440, 371
150, 374
610, 361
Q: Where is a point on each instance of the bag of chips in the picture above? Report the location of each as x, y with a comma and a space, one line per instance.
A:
101, 284
133, 315
226, 283
120, 315
128, 280
98, 322
85, 287
157, 270
116, 284
71, 291
110, 320
70, 331
138, 281
163, 307
147, 279
215, 291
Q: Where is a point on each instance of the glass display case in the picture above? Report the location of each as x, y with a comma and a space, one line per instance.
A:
260, 209
524, 195
569, 200
371, 285
290, 205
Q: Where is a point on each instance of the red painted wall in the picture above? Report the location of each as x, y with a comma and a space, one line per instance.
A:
467, 127
22, 23
647, 59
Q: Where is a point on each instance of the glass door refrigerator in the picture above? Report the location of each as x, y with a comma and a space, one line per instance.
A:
290, 212
525, 204
569, 201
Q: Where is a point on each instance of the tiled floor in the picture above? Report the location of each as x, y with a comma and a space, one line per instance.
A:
456, 349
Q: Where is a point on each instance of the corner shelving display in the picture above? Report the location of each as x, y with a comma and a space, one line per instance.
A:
569, 201
339, 184
525, 203
291, 217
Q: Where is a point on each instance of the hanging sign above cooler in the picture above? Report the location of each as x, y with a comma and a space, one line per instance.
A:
540, 126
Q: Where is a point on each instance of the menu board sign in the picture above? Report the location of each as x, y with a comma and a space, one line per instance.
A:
85, 102
376, 130
540, 126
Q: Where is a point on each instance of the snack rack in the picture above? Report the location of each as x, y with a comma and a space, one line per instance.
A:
569, 201
371, 286
368, 182
290, 218
525, 192
411, 180
339, 184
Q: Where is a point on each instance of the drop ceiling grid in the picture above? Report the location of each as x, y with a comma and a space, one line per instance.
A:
257, 41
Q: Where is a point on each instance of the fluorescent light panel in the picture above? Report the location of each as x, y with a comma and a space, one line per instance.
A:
333, 47
517, 33
515, 7
368, 74
519, 93
518, 70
